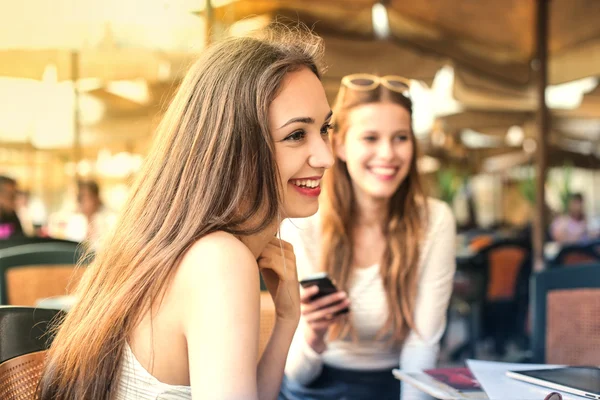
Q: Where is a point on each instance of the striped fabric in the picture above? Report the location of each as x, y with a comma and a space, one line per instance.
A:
137, 384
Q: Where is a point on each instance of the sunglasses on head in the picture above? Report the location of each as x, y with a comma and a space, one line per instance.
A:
366, 82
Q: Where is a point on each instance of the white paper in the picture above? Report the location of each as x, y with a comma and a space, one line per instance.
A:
492, 378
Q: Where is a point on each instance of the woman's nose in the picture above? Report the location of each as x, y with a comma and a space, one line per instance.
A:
321, 155
385, 150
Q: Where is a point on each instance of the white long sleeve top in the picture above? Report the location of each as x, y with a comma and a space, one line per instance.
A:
370, 309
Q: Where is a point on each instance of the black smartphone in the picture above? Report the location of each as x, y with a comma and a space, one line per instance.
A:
325, 285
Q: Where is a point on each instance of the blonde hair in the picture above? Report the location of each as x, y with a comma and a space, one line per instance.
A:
404, 228
211, 168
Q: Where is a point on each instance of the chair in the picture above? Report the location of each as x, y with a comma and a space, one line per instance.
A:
578, 253
38, 270
566, 305
267, 321
507, 268
21, 240
481, 242
24, 338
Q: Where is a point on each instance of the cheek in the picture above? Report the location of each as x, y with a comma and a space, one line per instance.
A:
406, 152
283, 166
357, 154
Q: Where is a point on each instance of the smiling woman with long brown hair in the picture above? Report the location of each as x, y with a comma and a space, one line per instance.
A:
170, 305
388, 247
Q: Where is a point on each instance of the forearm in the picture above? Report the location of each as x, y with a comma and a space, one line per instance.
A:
304, 364
272, 361
417, 359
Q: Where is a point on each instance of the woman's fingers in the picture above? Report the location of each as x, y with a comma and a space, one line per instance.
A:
325, 301
328, 313
322, 325
308, 293
282, 263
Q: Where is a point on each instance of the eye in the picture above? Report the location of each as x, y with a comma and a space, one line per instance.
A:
370, 138
325, 129
296, 136
402, 138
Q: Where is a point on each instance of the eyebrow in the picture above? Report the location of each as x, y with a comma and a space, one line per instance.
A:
305, 120
403, 131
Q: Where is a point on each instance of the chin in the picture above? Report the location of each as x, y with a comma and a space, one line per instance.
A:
383, 193
301, 211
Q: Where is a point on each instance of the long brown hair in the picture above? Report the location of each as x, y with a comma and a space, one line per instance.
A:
211, 168
404, 228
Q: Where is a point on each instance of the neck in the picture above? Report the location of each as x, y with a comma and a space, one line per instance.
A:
257, 242
371, 212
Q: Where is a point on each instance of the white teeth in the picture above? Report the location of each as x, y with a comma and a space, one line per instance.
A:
306, 182
384, 170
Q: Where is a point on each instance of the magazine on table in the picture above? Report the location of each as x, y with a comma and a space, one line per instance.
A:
445, 383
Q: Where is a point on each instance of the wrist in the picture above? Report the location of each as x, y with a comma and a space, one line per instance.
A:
288, 324
315, 341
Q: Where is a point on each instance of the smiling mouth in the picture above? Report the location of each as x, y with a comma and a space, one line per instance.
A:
306, 183
307, 187
384, 172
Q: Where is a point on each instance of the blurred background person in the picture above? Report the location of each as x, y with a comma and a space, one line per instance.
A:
92, 220
390, 249
10, 225
572, 226
23, 212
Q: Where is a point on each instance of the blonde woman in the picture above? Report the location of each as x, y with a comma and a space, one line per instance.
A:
170, 306
388, 247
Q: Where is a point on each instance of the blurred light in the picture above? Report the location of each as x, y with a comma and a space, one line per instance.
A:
569, 95
504, 162
70, 169
50, 74
119, 165
214, 3
427, 164
443, 97
84, 168
529, 145
381, 22
475, 140
164, 71
247, 25
89, 84
437, 101
136, 91
515, 136
37, 211
70, 24
577, 146
423, 115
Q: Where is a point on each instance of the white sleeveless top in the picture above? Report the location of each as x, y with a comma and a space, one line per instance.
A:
136, 383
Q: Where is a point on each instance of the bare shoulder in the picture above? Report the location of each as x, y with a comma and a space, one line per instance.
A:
219, 261
217, 302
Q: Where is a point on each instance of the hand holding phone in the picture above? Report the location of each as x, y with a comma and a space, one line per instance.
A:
325, 288
321, 304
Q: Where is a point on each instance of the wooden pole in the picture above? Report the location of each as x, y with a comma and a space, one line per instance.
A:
543, 128
76, 112
209, 22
